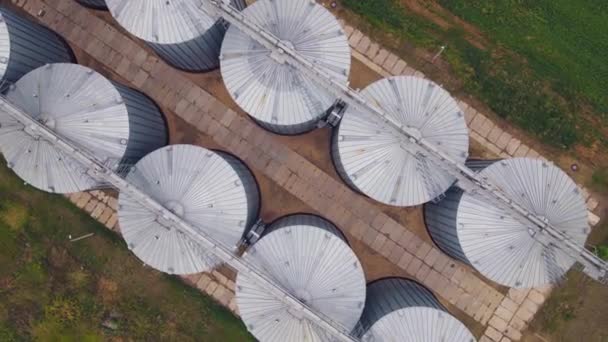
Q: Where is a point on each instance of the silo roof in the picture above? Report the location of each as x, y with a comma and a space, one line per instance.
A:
196, 184
313, 264
401, 310
373, 156
267, 88
5, 46
502, 248
80, 105
161, 21
418, 324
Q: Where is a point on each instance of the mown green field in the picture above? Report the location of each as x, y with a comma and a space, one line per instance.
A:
55, 290
563, 41
542, 64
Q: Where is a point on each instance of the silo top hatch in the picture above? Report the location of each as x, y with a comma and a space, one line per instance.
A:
80, 105
501, 247
373, 157
266, 87
162, 21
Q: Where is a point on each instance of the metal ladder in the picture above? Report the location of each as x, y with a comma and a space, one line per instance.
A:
334, 115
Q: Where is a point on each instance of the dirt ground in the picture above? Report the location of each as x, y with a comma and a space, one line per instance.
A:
314, 146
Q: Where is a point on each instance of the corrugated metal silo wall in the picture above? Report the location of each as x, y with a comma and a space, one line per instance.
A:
96, 4
441, 217
441, 222
249, 184
390, 294
305, 219
294, 129
198, 54
239, 4
147, 128
480, 164
32, 46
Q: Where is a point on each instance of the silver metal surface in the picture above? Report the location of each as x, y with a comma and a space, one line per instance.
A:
279, 97
421, 147
308, 257
25, 46
180, 31
400, 310
161, 21
117, 124
101, 173
211, 190
370, 155
96, 4
500, 247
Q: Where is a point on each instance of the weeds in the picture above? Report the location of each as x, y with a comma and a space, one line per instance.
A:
55, 290
599, 180
560, 307
602, 252
7, 334
13, 215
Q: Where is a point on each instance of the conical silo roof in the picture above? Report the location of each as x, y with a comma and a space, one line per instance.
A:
112, 122
400, 310
213, 191
180, 31
372, 156
277, 96
308, 257
501, 247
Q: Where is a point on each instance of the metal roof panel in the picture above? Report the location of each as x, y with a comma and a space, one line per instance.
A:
313, 264
372, 156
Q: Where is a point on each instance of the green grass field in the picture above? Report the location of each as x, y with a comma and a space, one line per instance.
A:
543, 66
55, 290
564, 41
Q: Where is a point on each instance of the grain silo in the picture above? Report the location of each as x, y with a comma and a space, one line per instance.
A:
213, 191
25, 46
400, 310
374, 158
499, 246
95, 4
309, 258
116, 124
279, 97
180, 31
